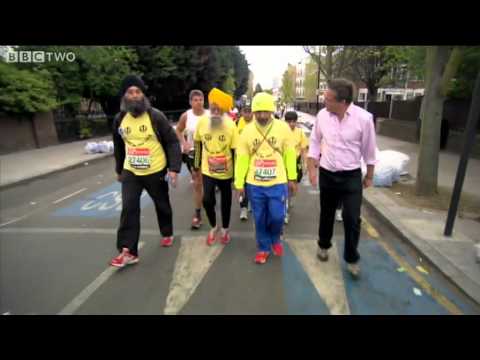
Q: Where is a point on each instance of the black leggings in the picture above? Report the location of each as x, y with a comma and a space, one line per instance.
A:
209, 200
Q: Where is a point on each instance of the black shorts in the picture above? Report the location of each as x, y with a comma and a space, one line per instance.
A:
189, 160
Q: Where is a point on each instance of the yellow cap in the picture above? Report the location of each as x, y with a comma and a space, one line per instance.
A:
263, 102
221, 99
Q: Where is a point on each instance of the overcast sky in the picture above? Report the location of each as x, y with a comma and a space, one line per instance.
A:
269, 62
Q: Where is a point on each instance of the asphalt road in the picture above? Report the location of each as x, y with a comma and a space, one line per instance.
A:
58, 233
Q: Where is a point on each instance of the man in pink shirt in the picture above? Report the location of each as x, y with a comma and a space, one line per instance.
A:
343, 133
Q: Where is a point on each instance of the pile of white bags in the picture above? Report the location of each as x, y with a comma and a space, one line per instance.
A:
390, 166
99, 147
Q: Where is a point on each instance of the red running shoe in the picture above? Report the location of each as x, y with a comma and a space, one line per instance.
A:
277, 249
211, 237
167, 241
261, 257
196, 223
225, 239
124, 258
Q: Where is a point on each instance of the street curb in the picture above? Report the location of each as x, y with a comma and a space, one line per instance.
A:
54, 171
440, 262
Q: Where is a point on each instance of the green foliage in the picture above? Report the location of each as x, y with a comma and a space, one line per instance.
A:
464, 81
25, 91
288, 85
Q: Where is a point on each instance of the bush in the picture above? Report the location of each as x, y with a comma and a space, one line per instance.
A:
25, 91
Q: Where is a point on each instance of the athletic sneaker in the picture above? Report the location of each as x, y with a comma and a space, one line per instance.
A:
244, 214
261, 257
124, 258
277, 249
196, 223
211, 237
167, 241
225, 239
338, 215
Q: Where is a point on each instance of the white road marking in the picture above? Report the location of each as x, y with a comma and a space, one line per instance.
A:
193, 261
69, 196
83, 296
326, 276
13, 220
7, 313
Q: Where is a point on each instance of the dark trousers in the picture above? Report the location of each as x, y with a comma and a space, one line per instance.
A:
244, 202
209, 200
345, 187
132, 187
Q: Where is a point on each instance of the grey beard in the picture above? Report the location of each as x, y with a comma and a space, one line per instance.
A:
136, 108
215, 121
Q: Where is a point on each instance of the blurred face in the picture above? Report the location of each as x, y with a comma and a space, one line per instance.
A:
263, 117
292, 124
134, 101
197, 103
134, 94
331, 102
216, 115
247, 114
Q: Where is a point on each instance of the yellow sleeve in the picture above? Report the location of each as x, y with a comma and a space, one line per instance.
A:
242, 161
290, 156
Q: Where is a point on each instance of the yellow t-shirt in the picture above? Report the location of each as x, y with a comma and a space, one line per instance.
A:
217, 145
144, 155
300, 139
242, 123
267, 167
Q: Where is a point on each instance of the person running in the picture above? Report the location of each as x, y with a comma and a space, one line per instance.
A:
245, 119
266, 161
301, 145
185, 130
215, 139
146, 150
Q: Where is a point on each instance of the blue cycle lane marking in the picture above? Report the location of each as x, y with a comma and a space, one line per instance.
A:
301, 296
382, 290
105, 203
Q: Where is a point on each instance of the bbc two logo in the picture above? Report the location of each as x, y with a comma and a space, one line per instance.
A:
38, 57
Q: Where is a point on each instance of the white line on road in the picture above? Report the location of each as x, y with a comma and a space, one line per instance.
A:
69, 196
14, 220
81, 298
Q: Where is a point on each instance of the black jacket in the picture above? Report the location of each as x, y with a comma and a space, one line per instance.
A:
165, 134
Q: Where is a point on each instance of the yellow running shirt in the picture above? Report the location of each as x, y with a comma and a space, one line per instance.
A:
300, 139
266, 149
144, 155
242, 123
217, 145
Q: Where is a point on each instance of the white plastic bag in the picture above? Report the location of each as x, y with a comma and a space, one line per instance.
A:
91, 148
396, 159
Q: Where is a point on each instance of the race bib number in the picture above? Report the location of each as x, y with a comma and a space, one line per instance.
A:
139, 158
217, 164
265, 170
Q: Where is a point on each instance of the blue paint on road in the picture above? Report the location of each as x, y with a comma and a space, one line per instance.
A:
301, 296
382, 290
105, 203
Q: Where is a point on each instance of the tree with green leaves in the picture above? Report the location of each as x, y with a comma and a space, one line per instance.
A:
288, 85
25, 92
332, 61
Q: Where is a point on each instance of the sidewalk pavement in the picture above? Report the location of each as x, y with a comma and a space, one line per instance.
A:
423, 229
27, 165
